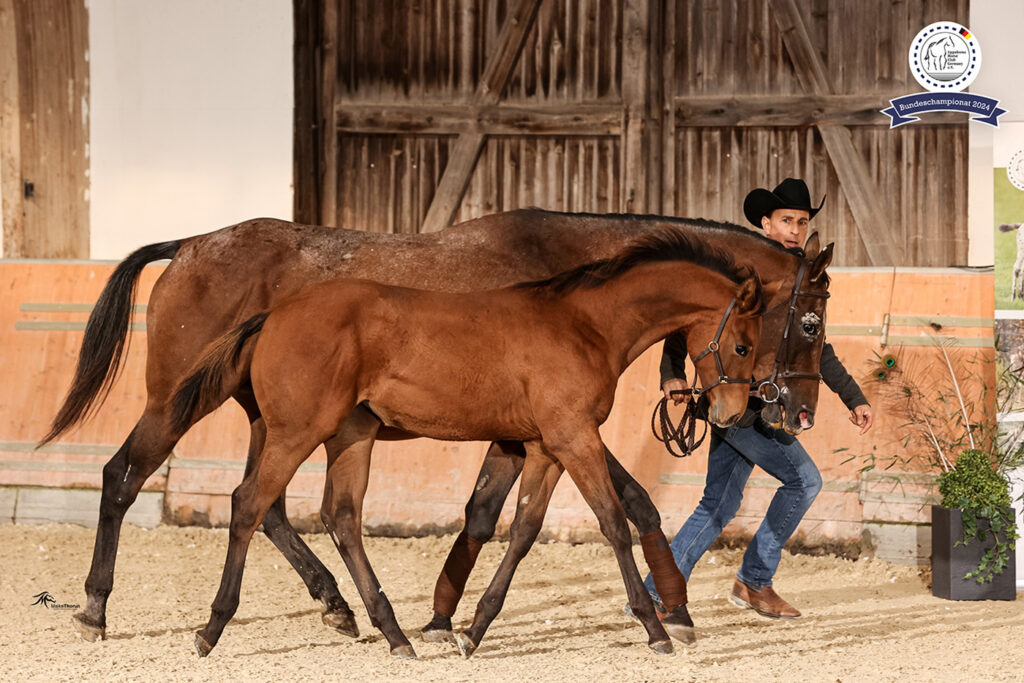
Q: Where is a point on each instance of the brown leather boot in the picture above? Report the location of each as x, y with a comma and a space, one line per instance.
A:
764, 601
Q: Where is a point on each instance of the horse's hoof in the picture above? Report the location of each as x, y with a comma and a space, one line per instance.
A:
86, 631
679, 625
662, 647
342, 621
684, 634
403, 652
202, 647
437, 635
466, 646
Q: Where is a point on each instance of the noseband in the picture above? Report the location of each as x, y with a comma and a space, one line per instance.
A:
780, 372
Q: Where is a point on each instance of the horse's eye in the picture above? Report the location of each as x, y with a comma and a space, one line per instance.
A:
741, 350
810, 329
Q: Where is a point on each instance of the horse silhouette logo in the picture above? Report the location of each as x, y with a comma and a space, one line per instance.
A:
945, 57
50, 602
44, 599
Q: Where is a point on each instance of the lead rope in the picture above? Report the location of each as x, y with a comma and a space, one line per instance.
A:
682, 436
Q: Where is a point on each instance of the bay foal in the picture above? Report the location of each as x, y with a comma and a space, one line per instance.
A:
341, 358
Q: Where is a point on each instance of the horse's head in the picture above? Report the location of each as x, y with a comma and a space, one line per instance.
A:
724, 349
789, 368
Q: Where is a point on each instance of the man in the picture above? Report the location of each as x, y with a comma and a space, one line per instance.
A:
784, 215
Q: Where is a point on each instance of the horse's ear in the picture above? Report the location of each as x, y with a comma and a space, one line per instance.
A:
750, 297
812, 246
820, 263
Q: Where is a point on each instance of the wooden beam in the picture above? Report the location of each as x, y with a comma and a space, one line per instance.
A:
11, 188
789, 110
328, 167
553, 119
463, 157
307, 136
861, 193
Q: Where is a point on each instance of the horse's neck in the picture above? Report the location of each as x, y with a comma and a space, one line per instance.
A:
644, 305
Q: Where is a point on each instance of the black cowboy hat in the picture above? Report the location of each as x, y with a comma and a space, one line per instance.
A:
791, 193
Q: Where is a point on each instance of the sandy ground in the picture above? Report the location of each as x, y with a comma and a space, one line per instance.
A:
864, 621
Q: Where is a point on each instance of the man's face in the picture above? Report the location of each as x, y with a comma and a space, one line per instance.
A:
787, 226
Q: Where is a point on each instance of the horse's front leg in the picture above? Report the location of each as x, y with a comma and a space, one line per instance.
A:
581, 452
668, 580
499, 471
540, 474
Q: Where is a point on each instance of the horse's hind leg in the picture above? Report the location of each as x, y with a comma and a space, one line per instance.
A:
347, 476
145, 449
271, 472
318, 579
499, 471
668, 580
540, 474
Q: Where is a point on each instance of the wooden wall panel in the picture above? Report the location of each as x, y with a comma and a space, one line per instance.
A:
53, 88
629, 105
386, 182
927, 208
560, 173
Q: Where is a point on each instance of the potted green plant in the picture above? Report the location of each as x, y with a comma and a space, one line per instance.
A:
949, 408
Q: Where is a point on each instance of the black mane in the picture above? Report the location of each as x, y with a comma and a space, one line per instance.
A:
700, 223
670, 244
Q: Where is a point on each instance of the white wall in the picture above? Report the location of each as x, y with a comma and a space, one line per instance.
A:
996, 24
191, 117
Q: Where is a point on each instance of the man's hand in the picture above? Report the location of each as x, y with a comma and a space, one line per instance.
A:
676, 385
861, 416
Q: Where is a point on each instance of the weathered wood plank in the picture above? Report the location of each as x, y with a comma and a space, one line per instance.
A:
329, 30
10, 135
53, 76
790, 110
467, 148
553, 119
306, 133
635, 90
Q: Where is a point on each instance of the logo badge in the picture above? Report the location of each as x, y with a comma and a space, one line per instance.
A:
944, 58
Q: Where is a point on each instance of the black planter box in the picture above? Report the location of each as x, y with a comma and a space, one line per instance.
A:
950, 562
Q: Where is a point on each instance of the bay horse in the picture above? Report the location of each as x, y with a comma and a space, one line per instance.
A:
450, 366
217, 280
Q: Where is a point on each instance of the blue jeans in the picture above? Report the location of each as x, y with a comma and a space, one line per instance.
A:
731, 458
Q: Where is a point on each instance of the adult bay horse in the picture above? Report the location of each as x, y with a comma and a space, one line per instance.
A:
451, 366
219, 279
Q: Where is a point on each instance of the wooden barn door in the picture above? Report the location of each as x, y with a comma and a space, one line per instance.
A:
413, 114
44, 128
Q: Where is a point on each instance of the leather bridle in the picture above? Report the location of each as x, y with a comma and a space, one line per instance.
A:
778, 371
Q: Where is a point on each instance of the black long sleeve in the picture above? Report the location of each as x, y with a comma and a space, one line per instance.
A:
673, 357
838, 379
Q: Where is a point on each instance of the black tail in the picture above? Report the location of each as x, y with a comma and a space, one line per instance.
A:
1009, 227
106, 337
203, 389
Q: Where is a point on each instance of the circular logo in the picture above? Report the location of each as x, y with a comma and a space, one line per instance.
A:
1015, 169
945, 56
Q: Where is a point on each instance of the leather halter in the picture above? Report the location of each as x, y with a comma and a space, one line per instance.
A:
684, 434
712, 349
779, 372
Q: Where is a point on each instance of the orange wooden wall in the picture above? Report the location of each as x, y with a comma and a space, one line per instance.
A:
423, 485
